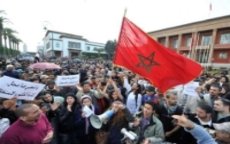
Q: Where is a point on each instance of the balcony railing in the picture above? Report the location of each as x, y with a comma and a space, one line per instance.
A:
202, 47
79, 49
222, 46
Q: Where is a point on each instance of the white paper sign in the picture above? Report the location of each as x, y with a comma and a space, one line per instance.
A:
11, 87
190, 88
87, 111
70, 80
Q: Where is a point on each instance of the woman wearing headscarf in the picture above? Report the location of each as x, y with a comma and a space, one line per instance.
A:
66, 117
119, 120
85, 132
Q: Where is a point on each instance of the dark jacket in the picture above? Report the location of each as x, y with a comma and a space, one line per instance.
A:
51, 115
66, 120
221, 120
12, 74
186, 136
5, 113
80, 127
166, 117
114, 133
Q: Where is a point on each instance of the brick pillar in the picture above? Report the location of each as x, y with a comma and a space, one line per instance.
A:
211, 48
195, 39
179, 42
167, 41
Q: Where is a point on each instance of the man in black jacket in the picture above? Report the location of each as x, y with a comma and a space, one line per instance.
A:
10, 72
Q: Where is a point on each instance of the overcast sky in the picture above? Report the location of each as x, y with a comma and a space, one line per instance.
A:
100, 20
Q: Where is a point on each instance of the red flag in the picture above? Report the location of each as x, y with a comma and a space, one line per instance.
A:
141, 54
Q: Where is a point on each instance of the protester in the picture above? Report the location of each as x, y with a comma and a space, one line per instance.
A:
150, 95
10, 72
203, 118
119, 120
66, 117
8, 110
133, 102
225, 89
222, 110
223, 79
148, 127
105, 87
50, 107
103, 101
87, 90
85, 132
172, 131
114, 93
213, 94
32, 127
222, 136
201, 135
37, 58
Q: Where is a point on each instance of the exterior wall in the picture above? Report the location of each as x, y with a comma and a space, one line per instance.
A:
65, 48
59, 42
93, 47
217, 59
213, 53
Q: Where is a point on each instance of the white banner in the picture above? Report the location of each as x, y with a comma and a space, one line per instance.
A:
70, 80
11, 87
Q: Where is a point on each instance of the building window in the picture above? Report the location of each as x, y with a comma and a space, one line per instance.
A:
225, 38
175, 43
58, 45
161, 41
206, 40
188, 42
223, 55
88, 48
74, 45
47, 45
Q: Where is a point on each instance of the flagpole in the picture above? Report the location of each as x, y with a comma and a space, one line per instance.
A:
209, 46
191, 45
210, 8
206, 54
196, 48
199, 51
125, 12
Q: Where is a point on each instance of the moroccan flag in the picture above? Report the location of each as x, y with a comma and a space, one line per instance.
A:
142, 55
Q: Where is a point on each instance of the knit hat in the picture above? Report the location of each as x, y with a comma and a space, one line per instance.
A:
86, 96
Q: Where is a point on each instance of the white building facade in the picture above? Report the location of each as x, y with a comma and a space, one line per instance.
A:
24, 48
61, 44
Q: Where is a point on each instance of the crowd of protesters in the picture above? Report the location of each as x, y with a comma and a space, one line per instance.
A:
56, 115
